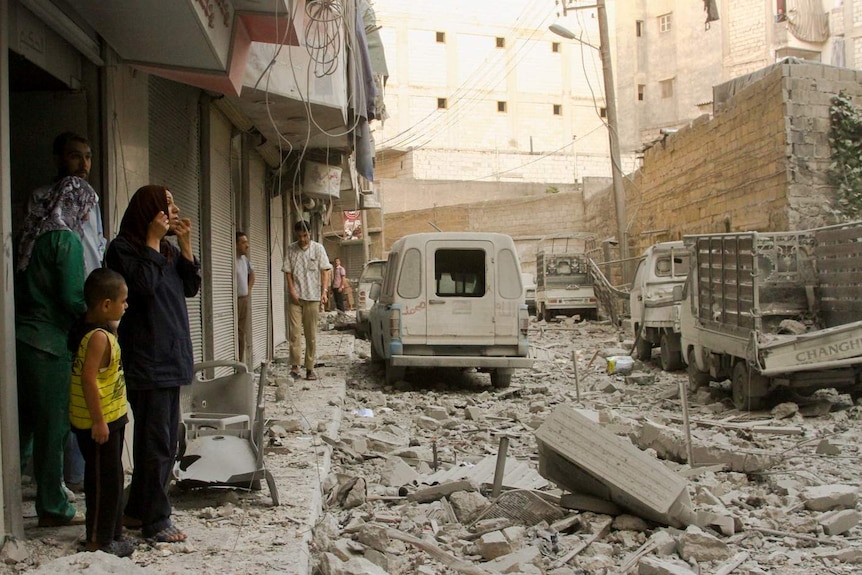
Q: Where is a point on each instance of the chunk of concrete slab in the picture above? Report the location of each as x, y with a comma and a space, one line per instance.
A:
514, 562
430, 494
583, 502
697, 544
580, 455
396, 473
655, 566
838, 522
493, 545
827, 497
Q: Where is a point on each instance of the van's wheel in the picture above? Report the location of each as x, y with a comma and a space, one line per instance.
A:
500, 379
394, 373
671, 356
546, 314
643, 347
748, 388
696, 378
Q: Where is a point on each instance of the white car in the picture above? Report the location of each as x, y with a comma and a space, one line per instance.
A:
371, 274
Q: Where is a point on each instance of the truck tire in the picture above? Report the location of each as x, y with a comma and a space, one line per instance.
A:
696, 378
643, 347
748, 388
500, 379
546, 314
671, 355
394, 373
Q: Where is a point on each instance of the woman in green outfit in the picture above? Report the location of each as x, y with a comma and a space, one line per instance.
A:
49, 296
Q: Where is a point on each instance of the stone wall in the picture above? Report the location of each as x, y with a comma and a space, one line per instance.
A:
759, 164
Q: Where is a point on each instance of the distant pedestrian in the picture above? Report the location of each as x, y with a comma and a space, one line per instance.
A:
98, 409
244, 283
306, 266
339, 282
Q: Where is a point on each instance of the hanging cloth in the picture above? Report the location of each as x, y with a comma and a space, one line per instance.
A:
807, 20
711, 9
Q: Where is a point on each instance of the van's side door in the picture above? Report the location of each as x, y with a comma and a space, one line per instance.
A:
460, 288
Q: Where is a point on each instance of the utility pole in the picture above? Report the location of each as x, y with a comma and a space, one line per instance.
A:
613, 136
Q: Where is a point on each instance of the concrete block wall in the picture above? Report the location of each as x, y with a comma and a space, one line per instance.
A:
526, 219
759, 164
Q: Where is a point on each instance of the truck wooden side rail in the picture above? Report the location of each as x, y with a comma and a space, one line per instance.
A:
772, 309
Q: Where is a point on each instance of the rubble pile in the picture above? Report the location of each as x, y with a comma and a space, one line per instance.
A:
575, 470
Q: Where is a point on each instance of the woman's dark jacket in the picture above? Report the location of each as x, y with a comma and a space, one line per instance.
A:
154, 333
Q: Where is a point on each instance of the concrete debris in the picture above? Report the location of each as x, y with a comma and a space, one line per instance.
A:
656, 566
694, 544
827, 497
516, 561
838, 522
396, 473
669, 444
329, 564
433, 493
579, 455
826, 447
468, 505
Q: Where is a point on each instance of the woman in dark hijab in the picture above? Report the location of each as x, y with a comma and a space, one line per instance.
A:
49, 296
156, 347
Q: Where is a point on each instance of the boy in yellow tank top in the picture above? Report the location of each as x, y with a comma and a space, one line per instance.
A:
97, 409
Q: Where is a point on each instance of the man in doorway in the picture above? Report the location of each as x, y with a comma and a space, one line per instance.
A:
244, 283
73, 156
306, 267
339, 282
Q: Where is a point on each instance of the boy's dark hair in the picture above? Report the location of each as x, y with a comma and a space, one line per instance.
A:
301, 226
61, 141
240, 234
102, 284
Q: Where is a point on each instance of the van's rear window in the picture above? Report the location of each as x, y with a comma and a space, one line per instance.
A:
459, 273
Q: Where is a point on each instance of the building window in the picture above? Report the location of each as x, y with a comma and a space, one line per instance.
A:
442, 104
666, 88
501, 106
603, 112
555, 47
501, 42
780, 10
441, 37
639, 28
558, 110
641, 90
664, 23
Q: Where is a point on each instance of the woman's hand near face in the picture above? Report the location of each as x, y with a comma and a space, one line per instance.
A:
183, 231
157, 229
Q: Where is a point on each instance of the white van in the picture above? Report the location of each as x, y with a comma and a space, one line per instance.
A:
451, 299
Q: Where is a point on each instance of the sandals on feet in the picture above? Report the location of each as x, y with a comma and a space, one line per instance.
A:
310, 375
170, 534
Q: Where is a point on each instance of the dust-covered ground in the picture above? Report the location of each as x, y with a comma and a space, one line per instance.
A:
353, 460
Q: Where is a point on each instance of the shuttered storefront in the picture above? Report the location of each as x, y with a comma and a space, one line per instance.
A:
221, 251
276, 250
259, 251
174, 156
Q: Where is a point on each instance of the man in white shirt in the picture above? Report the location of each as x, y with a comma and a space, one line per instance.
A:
306, 266
244, 283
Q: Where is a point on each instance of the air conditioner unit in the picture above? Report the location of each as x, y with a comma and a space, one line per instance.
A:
321, 181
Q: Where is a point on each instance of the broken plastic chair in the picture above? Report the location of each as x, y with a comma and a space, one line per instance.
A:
222, 429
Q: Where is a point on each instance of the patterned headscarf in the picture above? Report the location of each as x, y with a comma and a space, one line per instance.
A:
65, 207
145, 204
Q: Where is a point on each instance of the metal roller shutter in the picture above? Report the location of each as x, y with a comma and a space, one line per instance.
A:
221, 281
259, 251
276, 259
174, 156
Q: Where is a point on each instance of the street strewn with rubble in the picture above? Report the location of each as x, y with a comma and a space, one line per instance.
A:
571, 469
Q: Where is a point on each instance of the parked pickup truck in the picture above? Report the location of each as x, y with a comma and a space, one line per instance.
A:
774, 309
564, 285
654, 313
